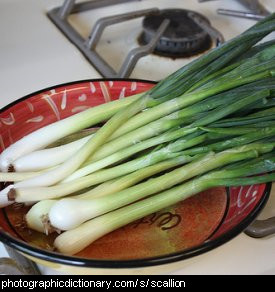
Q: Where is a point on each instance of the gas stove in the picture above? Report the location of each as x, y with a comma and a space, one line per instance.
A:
136, 39
127, 38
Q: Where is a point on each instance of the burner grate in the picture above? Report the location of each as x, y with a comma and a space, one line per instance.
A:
186, 43
256, 10
59, 16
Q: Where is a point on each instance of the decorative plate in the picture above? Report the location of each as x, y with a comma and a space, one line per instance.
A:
194, 226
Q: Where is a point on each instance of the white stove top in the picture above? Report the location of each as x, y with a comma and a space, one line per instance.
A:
34, 55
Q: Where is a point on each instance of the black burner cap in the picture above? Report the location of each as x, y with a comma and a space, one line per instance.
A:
183, 37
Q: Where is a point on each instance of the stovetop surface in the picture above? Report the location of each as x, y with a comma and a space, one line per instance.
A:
37, 56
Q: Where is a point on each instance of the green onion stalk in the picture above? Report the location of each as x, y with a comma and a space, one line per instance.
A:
256, 32
79, 181
44, 158
140, 133
51, 133
73, 163
99, 206
233, 99
37, 216
73, 241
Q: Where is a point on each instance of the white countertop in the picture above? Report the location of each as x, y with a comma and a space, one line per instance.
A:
35, 55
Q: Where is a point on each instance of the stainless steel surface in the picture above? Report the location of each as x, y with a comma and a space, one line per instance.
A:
137, 53
17, 264
9, 267
256, 10
216, 36
261, 228
253, 5
87, 5
66, 9
241, 14
102, 23
264, 225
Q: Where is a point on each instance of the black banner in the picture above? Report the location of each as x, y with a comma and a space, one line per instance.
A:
113, 282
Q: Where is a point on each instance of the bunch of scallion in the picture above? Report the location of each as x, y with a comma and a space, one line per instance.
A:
211, 123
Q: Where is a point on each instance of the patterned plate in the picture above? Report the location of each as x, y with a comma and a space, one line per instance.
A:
196, 225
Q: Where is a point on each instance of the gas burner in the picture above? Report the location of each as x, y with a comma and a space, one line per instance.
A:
184, 37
